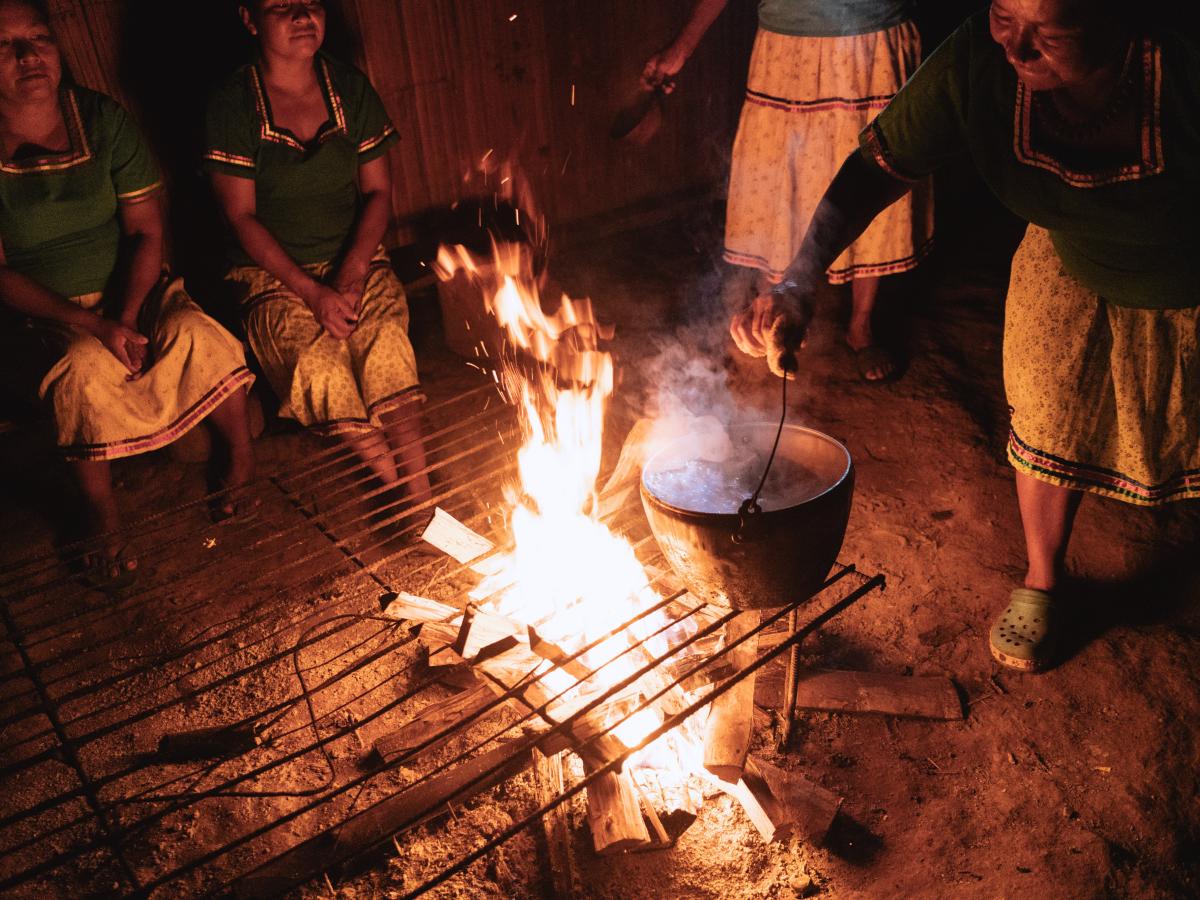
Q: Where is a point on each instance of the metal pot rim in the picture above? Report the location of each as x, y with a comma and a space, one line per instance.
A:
732, 517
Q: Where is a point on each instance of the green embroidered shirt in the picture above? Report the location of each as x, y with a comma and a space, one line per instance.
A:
1126, 230
306, 194
58, 213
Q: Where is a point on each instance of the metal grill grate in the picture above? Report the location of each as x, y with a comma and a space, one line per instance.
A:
269, 628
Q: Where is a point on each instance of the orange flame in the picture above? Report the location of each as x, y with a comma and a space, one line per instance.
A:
567, 575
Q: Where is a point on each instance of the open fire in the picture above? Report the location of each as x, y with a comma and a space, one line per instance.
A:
567, 577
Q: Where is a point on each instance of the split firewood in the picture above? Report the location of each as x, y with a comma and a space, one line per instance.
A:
456, 540
806, 807
410, 607
625, 474
780, 804
677, 808
588, 735
471, 629
556, 826
731, 715
615, 815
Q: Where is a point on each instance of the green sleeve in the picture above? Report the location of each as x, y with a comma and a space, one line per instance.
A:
370, 128
230, 138
924, 126
134, 173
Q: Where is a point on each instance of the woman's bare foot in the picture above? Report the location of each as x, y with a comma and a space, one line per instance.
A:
111, 563
109, 560
236, 499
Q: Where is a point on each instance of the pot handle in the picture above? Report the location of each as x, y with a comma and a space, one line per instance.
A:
750, 524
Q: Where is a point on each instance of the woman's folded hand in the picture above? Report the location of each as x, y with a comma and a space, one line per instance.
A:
127, 345
337, 313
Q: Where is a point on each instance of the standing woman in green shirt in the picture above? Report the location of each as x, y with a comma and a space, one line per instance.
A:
296, 147
1082, 118
138, 364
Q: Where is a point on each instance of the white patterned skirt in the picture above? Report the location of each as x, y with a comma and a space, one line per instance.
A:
807, 99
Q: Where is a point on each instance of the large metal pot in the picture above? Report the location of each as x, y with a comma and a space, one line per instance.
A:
783, 554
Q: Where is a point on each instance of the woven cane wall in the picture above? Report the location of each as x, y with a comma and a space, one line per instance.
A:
536, 81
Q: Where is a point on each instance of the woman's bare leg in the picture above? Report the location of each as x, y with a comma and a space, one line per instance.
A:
94, 477
1047, 516
863, 294
372, 450
403, 428
231, 420
859, 334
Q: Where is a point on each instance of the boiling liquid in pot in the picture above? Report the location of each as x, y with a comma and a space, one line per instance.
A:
721, 487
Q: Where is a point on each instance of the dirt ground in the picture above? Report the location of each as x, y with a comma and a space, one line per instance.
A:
1077, 783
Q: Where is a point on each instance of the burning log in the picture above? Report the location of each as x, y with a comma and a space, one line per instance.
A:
731, 716
589, 735
615, 815
508, 670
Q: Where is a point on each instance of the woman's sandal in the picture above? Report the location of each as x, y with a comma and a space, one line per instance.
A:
1025, 635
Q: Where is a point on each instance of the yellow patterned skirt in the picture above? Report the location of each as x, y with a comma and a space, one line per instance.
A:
807, 99
100, 414
334, 387
1104, 398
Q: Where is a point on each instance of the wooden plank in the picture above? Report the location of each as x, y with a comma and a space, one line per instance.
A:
556, 827
731, 716
912, 696
615, 814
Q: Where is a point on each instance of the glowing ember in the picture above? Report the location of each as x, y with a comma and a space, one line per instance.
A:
567, 576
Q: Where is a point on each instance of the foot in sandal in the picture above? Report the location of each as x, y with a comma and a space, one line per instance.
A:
1025, 635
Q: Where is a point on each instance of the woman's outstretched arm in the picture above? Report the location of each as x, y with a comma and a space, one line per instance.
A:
774, 324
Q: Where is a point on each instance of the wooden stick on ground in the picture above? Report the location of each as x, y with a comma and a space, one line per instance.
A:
731, 715
375, 825
438, 717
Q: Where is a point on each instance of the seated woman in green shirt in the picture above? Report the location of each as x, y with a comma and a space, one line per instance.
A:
138, 364
296, 147
1081, 118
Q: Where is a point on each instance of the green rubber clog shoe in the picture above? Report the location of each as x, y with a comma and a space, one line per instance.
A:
1024, 636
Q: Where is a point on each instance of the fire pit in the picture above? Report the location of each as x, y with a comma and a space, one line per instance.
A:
305, 729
